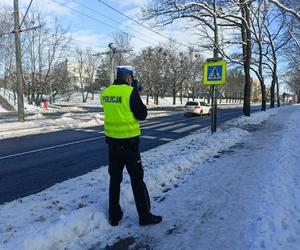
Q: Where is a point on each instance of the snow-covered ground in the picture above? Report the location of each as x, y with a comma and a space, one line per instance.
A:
76, 100
2, 109
37, 124
235, 189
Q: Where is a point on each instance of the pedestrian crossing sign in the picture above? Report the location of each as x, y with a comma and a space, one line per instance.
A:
215, 73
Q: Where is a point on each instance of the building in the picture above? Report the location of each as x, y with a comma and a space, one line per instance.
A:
81, 75
255, 90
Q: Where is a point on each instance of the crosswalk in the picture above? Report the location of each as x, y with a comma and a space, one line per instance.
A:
171, 127
174, 127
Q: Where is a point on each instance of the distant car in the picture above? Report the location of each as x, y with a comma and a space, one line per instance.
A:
197, 108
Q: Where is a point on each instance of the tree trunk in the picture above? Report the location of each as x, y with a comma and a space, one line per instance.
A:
272, 103
246, 38
85, 97
82, 91
174, 96
277, 88
263, 97
181, 97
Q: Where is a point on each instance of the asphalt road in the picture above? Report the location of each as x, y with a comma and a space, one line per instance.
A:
33, 163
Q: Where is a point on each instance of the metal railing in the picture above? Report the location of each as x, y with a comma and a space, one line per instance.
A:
8, 96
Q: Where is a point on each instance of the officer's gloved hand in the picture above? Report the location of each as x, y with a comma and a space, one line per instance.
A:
136, 85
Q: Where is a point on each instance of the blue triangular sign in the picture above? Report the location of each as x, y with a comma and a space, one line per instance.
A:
214, 74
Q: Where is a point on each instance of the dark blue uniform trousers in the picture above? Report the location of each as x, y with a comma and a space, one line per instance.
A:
127, 155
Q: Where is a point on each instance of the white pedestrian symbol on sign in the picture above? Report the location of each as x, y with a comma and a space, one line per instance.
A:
214, 75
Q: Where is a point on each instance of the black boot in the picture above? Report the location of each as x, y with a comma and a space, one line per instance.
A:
115, 221
150, 220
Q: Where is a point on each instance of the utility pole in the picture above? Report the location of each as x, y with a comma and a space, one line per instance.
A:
112, 52
18, 63
213, 87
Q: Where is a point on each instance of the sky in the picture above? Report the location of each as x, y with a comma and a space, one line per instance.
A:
91, 23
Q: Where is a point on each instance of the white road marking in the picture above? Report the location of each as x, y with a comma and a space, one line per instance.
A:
166, 139
181, 130
149, 123
171, 127
48, 148
158, 125
148, 137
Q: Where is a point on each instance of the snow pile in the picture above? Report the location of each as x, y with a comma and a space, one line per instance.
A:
38, 124
72, 215
258, 118
181, 155
32, 109
65, 120
71, 109
36, 117
67, 114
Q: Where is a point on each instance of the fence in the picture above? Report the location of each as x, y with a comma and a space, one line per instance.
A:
8, 96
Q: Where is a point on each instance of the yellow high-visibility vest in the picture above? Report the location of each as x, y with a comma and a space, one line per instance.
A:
119, 121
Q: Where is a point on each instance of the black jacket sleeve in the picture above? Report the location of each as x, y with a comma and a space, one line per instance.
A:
137, 106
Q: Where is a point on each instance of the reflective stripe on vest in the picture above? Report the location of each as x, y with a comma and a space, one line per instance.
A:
119, 121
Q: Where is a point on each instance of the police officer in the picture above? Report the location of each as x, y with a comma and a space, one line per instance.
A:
123, 108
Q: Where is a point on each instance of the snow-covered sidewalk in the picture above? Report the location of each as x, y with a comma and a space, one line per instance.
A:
236, 189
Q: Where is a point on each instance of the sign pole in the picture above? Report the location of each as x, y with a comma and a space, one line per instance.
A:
216, 42
212, 128
216, 109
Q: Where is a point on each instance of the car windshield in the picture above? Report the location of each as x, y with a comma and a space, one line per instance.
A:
203, 104
191, 104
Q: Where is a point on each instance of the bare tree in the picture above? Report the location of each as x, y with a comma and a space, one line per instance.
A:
123, 42
7, 49
277, 39
258, 22
80, 68
91, 70
290, 6
201, 14
43, 48
86, 67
